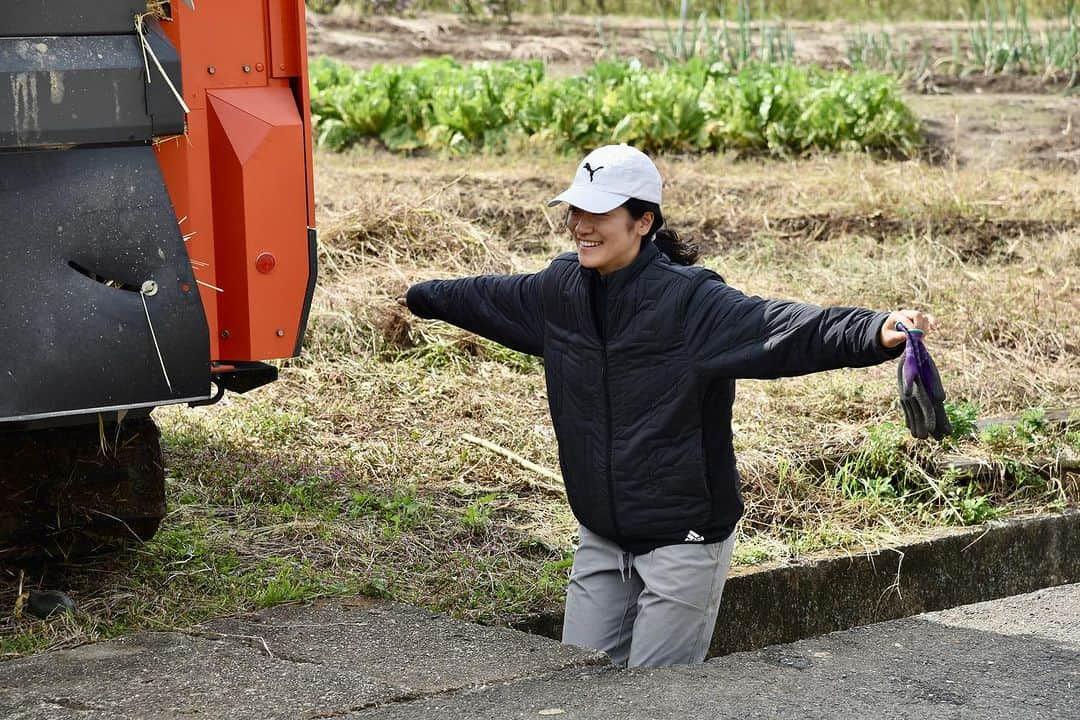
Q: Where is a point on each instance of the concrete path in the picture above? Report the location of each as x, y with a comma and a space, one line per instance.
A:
1012, 658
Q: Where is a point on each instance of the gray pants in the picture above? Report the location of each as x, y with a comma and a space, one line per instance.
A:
654, 609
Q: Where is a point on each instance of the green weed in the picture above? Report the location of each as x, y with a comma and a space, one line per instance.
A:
278, 581
555, 575
879, 468
1019, 437
751, 553
889, 470
824, 534
477, 514
962, 417
958, 501
398, 513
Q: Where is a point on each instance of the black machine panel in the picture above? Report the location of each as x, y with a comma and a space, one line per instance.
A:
84, 231
69, 17
87, 90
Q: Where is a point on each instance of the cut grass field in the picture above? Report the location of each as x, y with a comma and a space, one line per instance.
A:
353, 475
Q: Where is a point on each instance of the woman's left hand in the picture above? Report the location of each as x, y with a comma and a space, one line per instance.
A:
913, 319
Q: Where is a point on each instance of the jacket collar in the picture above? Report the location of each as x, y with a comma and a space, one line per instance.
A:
619, 279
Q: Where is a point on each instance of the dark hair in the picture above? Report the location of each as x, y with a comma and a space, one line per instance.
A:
679, 251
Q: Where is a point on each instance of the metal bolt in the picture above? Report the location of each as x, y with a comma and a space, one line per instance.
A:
247, 68
149, 288
211, 69
259, 67
224, 334
280, 332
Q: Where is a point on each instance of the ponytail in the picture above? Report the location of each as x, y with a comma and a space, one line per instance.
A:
679, 251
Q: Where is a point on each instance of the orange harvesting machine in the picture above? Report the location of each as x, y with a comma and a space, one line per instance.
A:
157, 240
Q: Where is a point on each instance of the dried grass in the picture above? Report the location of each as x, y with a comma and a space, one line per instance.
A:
351, 474
158, 9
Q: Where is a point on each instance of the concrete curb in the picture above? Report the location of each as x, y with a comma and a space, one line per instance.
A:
999, 660
782, 604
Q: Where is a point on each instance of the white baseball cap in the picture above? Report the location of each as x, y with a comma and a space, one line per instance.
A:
611, 175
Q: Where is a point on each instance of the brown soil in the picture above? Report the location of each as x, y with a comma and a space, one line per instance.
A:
988, 131
568, 43
1000, 84
974, 239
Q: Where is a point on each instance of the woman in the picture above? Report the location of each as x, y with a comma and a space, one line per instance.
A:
641, 351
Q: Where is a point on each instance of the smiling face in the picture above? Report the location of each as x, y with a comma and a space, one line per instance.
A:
607, 241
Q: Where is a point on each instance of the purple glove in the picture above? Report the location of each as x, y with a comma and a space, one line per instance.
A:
921, 395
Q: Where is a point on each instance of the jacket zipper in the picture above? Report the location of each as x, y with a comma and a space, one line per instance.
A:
601, 331
610, 440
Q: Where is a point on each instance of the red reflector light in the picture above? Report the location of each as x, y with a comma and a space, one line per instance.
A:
265, 263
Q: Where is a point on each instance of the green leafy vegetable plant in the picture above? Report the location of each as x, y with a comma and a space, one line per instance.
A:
693, 106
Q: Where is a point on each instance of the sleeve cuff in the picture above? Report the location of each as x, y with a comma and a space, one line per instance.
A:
884, 352
414, 298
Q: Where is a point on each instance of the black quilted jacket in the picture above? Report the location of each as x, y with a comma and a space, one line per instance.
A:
641, 367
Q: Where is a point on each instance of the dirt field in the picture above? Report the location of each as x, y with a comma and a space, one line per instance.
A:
569, 42
986, 122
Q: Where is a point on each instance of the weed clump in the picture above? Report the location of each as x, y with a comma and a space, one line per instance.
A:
398, 232
397, 331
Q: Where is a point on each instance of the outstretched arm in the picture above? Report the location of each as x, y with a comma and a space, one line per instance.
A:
734, 335
503, 308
